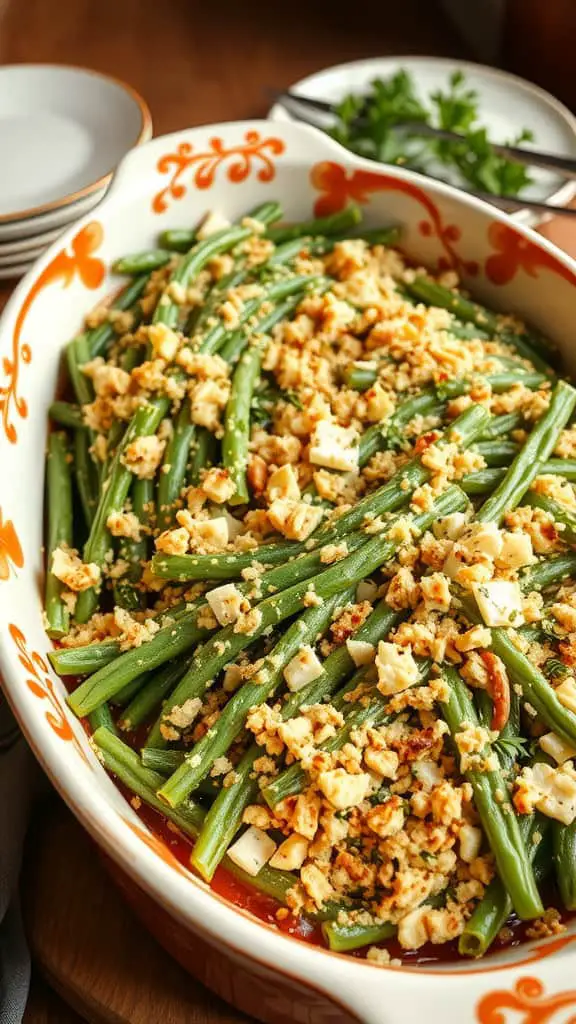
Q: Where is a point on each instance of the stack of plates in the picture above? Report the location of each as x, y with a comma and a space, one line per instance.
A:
63, 132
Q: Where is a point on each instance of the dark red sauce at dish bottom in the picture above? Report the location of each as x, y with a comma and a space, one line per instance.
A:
265, 907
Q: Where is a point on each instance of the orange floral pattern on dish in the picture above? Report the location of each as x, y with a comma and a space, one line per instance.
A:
513, 252
11, 554
339, 185
42, 686
527, 1004
254, 150
65, 266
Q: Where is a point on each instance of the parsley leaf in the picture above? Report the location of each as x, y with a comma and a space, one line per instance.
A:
511, 746
378, 124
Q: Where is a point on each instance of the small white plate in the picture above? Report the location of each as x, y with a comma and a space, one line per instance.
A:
14, 271
30, 227
11, 258
63, 132
26, 245
506, 104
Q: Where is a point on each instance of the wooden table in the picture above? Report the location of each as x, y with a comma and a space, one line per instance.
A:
194, 62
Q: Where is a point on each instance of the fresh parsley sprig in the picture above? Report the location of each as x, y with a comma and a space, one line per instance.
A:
377, 125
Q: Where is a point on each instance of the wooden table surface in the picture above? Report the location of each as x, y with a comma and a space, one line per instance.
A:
197, 62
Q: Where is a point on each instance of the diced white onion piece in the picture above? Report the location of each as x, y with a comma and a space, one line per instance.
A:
213, 222
226, 603
304, 668
334, 447
500, 603
252, 851
361, 652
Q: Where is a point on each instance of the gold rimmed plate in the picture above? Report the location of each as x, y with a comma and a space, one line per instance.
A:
63, 131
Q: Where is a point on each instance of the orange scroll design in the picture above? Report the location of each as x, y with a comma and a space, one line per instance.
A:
41, 685
255, 150
11, 554
339, 185
513, 252
65, 266
528, 999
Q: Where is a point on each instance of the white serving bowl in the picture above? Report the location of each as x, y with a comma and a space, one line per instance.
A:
171, 182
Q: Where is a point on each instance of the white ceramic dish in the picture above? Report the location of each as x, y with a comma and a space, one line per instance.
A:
73, 123
171, 182
61, 217
42, 239
506, 104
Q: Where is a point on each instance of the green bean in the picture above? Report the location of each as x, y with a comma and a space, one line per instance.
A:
178, 239
204, 454
486, 480
495, 907
78, 353
129, 691
527, 463
167, 311
200, 316
497, 815
269, 677
79, 661
393, 495
175, 639
217, 336
237, 421
127, 767
293, 780
115, 435
150, 696
225, 644
126, 591
391, 431
435, 295
85, 475
564, 843
225, 815
172, 476
169, 642
162, 761
342, 938
547, 571
536, 690
101, 718
561, 467
98, 338
59, 530
239, 340
142, 262
499, 383
560, 514
67, 415
372, 712
145, 422
361, 378
501, 425
333, 224
497, 453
